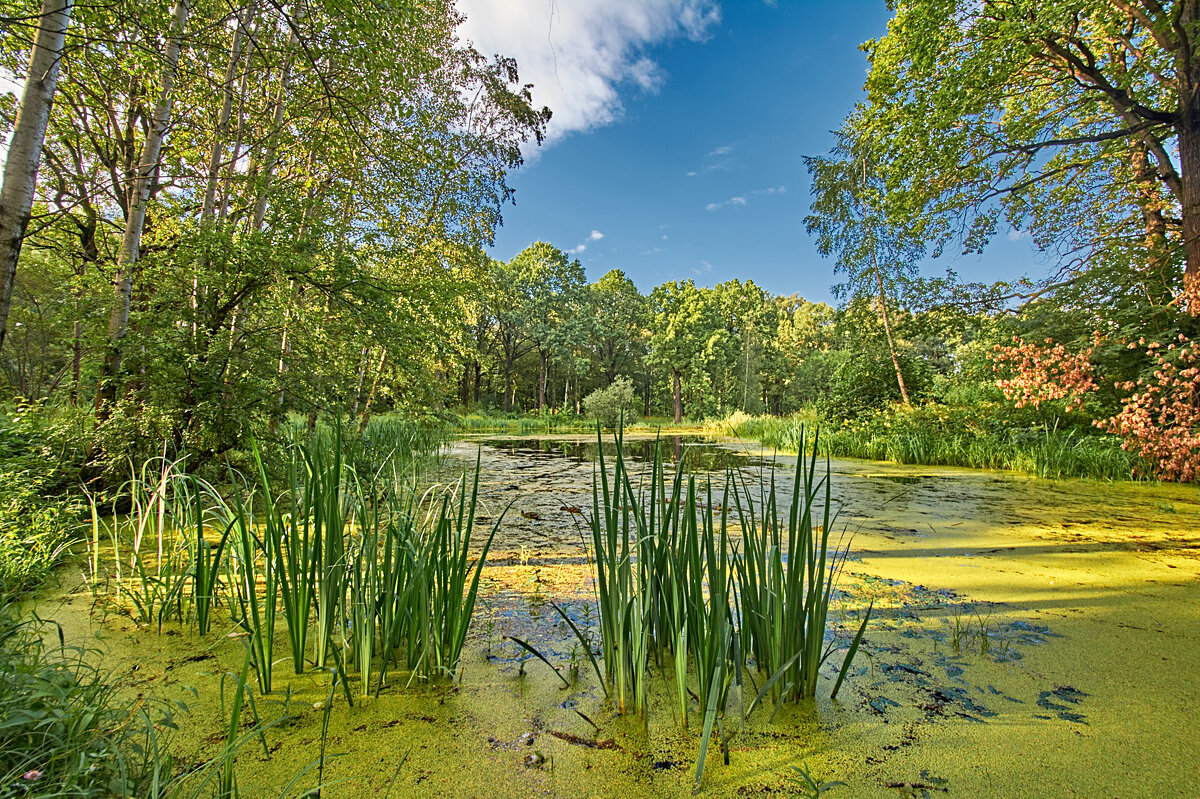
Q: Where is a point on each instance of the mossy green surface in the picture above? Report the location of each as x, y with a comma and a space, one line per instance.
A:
1030, 638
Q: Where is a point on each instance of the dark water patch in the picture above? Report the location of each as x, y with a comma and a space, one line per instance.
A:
695, 452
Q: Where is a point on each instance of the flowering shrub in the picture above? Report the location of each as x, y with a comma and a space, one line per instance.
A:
1161, 418
1043, 373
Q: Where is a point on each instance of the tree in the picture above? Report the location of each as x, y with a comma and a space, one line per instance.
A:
550, 290
25, 148
682, 323
618, 320
849, 219
1076, 120
292, 225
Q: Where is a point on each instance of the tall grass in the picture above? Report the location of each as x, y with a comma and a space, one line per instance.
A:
937, 436
363, 568
670, 582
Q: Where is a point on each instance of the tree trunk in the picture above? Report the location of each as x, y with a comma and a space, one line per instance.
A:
508, 390
543, 374
118, 321
678, 397
25, 150
478, 379
217, 155
285, 81
366, 414
76, 360
887, 329
1187, 126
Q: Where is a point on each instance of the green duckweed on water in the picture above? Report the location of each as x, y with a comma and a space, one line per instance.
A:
1029, 638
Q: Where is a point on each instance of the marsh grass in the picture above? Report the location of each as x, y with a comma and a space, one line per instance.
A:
672, 585
941, 436
369, 572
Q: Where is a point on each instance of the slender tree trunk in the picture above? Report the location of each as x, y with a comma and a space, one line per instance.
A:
478, 379
362, 371
508, 390
76, 360
543, 374
678, 397
269, 158
887, 329
118, 322
366, 414
25, 150
217, 155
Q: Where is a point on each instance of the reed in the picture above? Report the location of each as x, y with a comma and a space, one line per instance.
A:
255, 614
671, 582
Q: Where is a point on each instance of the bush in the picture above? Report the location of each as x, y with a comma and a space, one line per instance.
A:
606, 405
867, 381
65, 732
40, 507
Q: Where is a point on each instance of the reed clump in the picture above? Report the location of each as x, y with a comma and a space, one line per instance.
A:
362, 572
673, 588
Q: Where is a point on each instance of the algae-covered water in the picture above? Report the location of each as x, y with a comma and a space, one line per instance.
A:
1030, 638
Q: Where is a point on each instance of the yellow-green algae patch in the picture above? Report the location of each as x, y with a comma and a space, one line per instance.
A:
1030, 638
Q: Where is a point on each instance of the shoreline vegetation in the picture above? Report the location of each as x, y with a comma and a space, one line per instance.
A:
926, 435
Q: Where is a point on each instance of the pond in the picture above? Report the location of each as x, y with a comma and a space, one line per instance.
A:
1030, 638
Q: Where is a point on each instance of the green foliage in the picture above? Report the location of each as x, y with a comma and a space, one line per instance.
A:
866, 381
65, 731
39, 455
610, 405
670, 586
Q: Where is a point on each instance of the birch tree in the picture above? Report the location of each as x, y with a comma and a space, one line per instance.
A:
25, 148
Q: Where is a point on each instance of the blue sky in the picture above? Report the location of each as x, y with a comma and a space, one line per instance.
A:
679, 131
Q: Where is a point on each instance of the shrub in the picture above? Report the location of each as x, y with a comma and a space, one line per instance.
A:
867, 381
606, 405
39, 465
66, 733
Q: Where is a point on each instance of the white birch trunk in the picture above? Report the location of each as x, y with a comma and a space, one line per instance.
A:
25, 149
118, 321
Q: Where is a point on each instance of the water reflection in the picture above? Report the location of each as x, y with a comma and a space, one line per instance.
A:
701, 454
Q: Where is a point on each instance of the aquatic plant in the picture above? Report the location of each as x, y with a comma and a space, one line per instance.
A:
786, 578
669, 582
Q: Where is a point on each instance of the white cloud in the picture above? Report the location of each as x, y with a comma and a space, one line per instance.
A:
1017, 235
705, 269
595, 235
583, 56
741, 200
732, 201
714, 160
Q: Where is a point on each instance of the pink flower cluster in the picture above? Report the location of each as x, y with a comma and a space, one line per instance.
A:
1161, 418
1044, 372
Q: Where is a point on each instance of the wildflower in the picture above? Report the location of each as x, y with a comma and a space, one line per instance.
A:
31, 775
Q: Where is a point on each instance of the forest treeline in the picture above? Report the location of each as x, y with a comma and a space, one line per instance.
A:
246, 213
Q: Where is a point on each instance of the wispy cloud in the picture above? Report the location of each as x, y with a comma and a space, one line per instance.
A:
582, 57
741, 200
595, 235
704, 268
734, 201
715, 160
